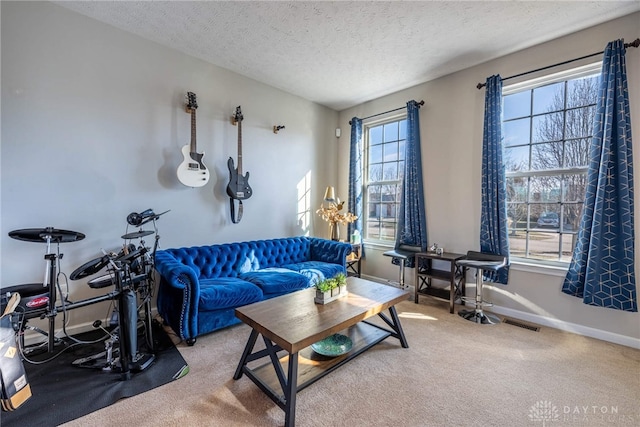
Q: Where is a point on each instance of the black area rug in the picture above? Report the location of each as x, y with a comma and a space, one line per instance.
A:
62, 392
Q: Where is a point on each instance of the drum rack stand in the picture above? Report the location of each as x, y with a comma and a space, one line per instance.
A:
122, 269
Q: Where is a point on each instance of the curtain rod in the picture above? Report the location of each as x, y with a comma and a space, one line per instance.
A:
420, 104
634, 43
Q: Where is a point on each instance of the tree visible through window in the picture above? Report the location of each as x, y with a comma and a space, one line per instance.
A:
547, 131
385, 171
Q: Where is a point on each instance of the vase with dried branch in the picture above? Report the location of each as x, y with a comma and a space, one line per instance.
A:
334, 217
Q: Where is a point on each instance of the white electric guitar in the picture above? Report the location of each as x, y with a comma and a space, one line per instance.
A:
192, 172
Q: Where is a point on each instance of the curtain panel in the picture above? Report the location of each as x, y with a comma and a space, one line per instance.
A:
412, 223
356, 184
493, 221
601, 271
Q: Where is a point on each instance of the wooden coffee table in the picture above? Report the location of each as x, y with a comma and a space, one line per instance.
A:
291, 323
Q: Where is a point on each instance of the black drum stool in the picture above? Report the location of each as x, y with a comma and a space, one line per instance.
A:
480, 261
34, 298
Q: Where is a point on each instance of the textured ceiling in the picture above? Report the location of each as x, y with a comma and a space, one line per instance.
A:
341, 54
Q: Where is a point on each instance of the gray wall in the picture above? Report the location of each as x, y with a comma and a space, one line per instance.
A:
451, 124
93, 122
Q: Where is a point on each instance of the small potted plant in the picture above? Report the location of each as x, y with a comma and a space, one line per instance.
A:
341, 283
323, 289
331, 289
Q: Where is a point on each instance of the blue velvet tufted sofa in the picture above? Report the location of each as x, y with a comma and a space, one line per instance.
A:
200, 287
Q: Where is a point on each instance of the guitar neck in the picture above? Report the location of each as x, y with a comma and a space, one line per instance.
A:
193, 131
240, 147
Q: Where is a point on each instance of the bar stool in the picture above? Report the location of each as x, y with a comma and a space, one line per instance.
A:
405, 253
480, 261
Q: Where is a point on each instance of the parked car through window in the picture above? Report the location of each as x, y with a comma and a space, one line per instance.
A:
549, 219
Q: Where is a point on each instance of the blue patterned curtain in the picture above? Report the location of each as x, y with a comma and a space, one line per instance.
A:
356, 169
412, 223
493, 222
602, 267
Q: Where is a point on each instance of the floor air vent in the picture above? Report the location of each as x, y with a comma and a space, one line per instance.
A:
521, 325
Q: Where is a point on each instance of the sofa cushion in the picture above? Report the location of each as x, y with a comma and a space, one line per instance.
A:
276, 280
316, 271
226, 292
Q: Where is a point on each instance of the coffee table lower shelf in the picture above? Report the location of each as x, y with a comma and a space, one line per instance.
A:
313, 366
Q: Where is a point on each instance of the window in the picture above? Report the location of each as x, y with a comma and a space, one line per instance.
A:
384, 165
547, 127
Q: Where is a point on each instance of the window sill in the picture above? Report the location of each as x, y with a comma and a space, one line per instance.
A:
377, 245
529, 267
517, 264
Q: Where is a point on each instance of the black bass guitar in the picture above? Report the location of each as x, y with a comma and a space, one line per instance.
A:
192, 172
238, 187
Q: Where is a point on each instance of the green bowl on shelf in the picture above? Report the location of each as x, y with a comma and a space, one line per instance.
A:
334, 345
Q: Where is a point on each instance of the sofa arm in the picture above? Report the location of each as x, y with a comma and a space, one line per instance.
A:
330, 251
178, 295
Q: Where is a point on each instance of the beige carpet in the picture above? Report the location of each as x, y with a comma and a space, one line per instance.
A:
454, 373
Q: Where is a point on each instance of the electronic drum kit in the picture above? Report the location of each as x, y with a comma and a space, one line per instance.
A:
129, 272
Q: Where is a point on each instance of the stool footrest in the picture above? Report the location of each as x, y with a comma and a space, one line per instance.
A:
472, 301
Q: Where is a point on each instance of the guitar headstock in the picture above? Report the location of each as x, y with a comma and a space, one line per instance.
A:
237, 117
191, 102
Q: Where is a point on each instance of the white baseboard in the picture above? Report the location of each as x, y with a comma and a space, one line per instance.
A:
568, 326
32, 337
553, 323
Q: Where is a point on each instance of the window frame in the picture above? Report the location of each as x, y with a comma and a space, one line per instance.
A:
366, 126
591, 69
